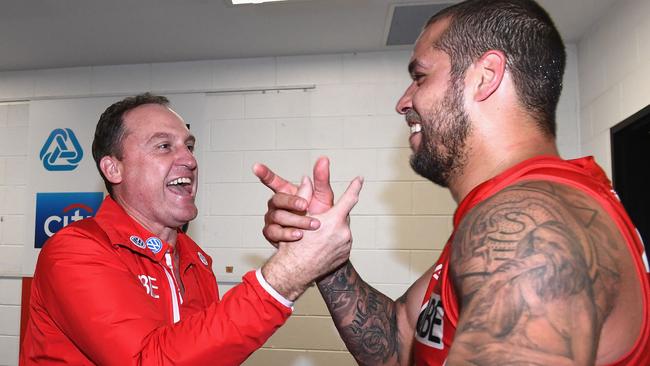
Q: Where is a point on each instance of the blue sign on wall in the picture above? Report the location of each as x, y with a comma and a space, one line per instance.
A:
56, 210
61, 151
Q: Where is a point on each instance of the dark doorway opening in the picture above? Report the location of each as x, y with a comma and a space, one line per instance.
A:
631, 168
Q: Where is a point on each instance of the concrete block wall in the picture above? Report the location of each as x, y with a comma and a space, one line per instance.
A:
614, 81
14, 119
399, 225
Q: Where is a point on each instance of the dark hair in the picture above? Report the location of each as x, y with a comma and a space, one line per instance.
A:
521, 29
110, 130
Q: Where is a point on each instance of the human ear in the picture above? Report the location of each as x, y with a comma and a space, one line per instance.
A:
489, 72
111, 168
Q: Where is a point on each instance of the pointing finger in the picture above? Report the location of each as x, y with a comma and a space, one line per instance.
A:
275, 182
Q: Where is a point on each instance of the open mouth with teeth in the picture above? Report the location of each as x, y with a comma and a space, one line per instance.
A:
416, 127
181, 186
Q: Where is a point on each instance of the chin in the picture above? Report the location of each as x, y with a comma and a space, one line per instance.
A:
187, 215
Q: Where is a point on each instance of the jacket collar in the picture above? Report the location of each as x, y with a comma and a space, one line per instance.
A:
124, 231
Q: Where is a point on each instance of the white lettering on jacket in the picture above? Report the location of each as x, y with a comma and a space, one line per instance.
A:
150, 286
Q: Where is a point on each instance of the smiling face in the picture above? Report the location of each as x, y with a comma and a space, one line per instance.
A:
157, 175
433, 107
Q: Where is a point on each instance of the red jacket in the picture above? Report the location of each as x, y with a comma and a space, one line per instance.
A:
104, 293
440, 309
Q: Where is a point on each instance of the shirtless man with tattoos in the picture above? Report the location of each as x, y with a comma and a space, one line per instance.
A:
543, 267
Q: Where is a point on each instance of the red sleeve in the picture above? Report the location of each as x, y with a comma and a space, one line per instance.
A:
94, 300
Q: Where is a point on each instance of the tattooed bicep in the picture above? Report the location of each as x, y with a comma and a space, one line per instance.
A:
535, 269
531, 244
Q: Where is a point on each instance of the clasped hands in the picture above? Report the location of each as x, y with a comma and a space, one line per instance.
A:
311, 233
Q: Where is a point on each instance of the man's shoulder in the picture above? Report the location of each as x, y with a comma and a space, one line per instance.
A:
527, 204
79, 233
540, 224
75, 246
561, 197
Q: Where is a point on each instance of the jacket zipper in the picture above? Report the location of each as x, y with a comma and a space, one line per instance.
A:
177, 299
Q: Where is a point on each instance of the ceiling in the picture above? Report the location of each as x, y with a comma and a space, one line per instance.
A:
36, 34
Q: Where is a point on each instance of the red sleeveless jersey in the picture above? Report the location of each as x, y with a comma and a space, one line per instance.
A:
438, 317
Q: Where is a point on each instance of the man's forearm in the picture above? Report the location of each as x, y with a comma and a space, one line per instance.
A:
365, 318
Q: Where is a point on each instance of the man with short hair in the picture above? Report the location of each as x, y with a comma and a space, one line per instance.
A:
128, 287
544, 267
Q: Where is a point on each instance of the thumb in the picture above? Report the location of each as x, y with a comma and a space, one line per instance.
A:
306, 189
322, 188
323, 198
350, 198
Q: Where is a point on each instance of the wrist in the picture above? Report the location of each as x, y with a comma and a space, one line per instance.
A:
283, 277
268, 288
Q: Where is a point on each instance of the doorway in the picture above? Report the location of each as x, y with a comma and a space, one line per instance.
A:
630, 141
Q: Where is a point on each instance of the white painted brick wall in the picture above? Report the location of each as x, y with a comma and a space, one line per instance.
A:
10, 293
400, 223
225, 106
120, 79
309, 133
14, 120
12, 140
63, 82
614, 82
244, 73
312, 69
3, 114
17, 85
243, 134
182, 75
277, 104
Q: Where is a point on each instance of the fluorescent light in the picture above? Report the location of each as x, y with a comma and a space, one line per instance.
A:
241, 2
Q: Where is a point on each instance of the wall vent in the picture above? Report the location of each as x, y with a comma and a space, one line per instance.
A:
407, 22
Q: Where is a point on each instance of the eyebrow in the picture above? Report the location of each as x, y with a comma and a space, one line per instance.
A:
165, 135
413, 65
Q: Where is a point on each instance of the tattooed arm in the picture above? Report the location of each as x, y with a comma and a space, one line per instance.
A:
375, 329
535, 271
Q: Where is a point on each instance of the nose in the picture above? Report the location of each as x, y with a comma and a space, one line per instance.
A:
186, 158
406, 101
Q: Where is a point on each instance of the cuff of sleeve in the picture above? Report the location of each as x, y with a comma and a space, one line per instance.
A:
276, 295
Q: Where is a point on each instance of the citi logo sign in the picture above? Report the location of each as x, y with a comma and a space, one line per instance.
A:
55, 211
61, 151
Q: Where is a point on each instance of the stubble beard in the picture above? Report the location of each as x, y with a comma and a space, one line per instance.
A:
442, 153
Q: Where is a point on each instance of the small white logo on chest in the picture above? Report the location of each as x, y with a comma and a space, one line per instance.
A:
150, 285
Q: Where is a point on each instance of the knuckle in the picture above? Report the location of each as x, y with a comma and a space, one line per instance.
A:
346, 235
265, 232
270, 233
267, 217
275, 216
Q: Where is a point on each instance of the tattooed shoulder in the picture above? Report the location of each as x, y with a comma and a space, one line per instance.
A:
552, 236
524, 262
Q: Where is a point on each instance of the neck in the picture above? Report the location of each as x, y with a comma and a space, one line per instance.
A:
167, 234
485, 162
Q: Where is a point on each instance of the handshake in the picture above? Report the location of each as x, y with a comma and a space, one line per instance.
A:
311, 233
